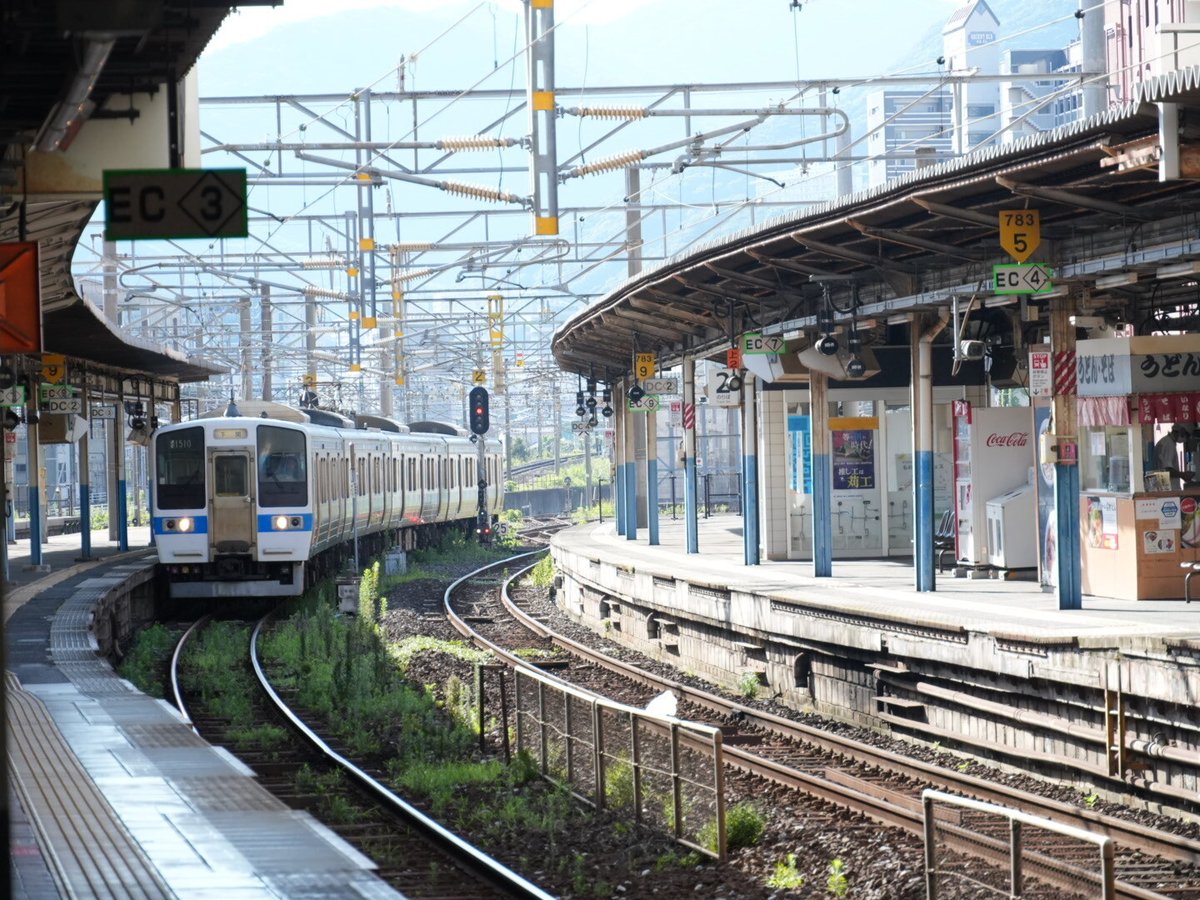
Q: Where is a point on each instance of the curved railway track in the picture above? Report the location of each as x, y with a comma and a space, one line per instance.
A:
433, 862
878, 783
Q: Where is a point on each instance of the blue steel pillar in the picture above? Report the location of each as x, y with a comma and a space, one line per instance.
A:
85, 499
33, 455
631, 507
822, 475
619, 421
652, 476
922, 333
749, 472
119, 458
689, 454
1066, 499
1066, 488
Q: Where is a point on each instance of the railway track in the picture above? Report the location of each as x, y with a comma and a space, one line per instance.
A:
416, 855
850, 774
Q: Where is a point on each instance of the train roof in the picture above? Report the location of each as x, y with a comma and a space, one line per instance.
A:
431, 427
255, 409
364, 420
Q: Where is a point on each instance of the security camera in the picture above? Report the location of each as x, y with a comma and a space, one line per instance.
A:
828, 345
971, 349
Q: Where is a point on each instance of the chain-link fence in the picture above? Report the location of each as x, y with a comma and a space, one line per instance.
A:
1010, 854
664, 772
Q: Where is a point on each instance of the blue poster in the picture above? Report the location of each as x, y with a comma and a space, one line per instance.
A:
800, 434
854, 460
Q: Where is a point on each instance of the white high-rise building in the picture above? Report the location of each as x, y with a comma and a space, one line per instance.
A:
908, 127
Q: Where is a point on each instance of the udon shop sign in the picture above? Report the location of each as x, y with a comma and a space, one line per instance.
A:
1114, 366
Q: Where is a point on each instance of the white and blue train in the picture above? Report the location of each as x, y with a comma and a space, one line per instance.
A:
263, 500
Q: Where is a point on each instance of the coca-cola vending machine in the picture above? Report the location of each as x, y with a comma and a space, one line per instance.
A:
993, 453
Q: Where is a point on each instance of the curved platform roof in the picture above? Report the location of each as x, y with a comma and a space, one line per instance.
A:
915, 244
45, 50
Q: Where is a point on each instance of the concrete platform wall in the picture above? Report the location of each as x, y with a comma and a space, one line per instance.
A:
1018, 699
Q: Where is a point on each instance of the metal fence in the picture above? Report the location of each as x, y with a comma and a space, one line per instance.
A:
1030, 857
718, 492
664, 772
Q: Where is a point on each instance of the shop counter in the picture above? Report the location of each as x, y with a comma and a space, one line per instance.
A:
1133, 545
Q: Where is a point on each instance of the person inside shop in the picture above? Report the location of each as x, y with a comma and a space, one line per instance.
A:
1166, 455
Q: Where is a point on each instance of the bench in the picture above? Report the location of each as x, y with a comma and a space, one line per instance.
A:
943, 537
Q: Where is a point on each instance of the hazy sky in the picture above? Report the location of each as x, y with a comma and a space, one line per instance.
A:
617, 41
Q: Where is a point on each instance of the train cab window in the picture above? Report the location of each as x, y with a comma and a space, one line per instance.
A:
282, 467
230, 476
179, 469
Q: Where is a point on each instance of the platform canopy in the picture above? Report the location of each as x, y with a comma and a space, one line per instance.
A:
1116, 233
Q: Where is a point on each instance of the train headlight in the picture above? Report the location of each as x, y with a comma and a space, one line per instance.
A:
184, 524
280, 523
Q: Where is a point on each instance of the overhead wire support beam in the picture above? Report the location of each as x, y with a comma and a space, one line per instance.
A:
543, 150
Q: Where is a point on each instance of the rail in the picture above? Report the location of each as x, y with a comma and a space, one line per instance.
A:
613, 755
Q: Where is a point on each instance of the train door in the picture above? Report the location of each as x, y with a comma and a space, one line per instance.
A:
233, 524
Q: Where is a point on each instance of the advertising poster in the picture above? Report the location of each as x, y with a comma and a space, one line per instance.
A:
1159, 541
1048, 570
800, 438
1102, 522
854, 459
1189, 522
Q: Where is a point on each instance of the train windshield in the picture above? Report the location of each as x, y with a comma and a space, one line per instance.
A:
179, 469
282, 467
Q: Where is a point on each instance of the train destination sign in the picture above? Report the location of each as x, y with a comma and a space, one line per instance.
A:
1021, 278
174, 203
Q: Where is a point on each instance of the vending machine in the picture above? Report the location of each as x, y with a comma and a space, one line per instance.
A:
993, 452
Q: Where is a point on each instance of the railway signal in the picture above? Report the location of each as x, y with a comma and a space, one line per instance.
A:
479, 410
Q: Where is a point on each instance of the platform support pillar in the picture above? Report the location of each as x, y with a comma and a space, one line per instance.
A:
822, 475
641, 473
1066, 486
631, 485
619, 419
749, 471
33, 453
85, 497
689, 454
119, 505
652, 476
922, 332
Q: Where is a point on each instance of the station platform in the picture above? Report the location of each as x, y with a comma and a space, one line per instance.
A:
883, 590
111, 793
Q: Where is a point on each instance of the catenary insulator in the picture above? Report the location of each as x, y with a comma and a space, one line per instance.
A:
473, 142
478, 192
416, 247
328, 263
310, 291
411, 276
610, 112
609, 163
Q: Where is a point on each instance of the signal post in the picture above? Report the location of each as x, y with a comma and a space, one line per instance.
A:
479, 421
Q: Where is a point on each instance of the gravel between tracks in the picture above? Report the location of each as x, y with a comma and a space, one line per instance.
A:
879, 863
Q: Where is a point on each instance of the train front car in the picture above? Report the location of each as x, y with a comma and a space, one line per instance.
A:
232, 507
